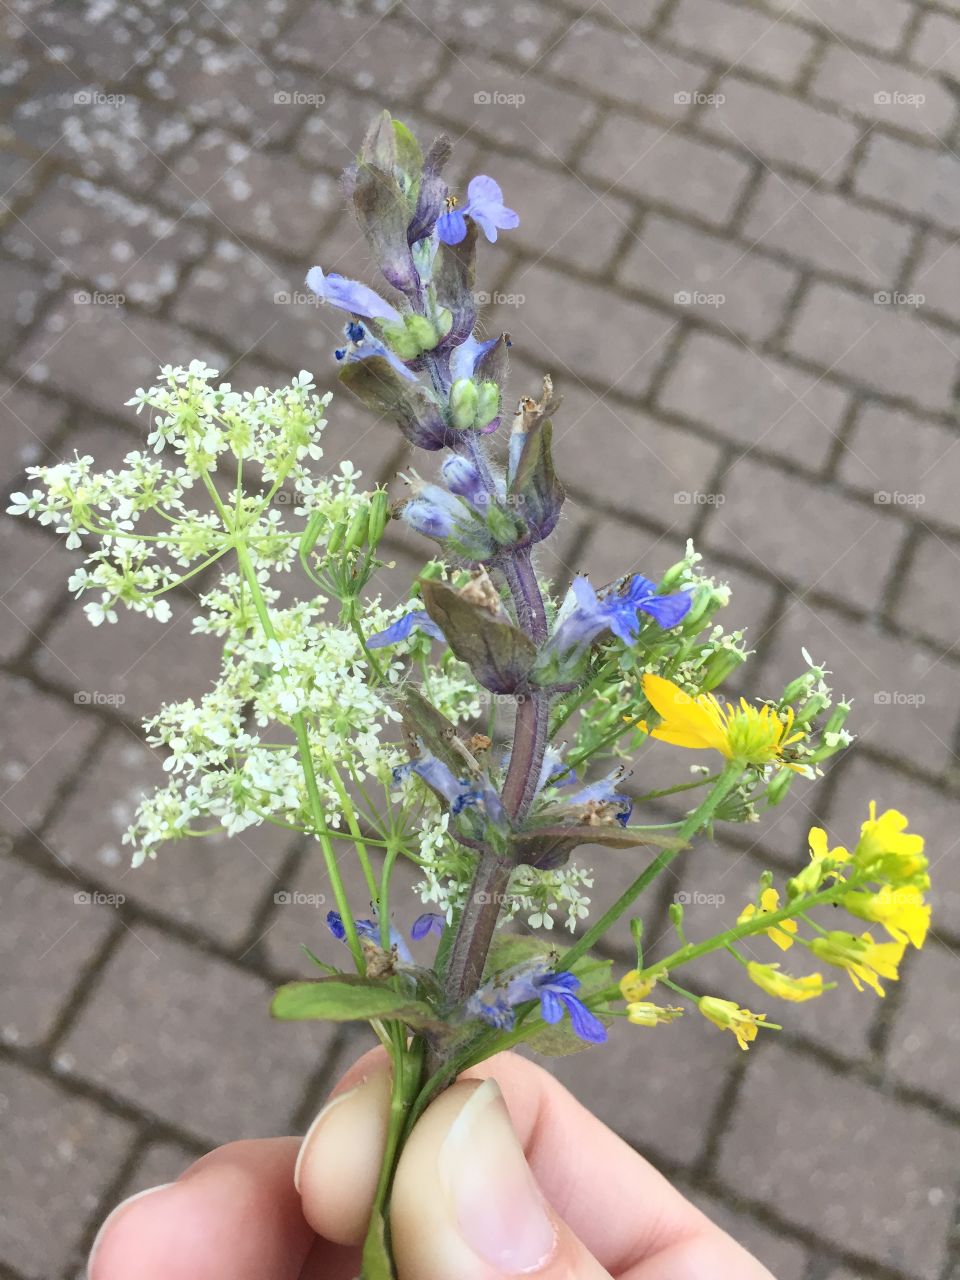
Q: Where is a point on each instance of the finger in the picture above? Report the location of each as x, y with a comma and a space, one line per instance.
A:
466, 1204
234, 1215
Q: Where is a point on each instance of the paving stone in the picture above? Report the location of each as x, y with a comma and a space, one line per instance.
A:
904, 461
49, 936
827, 231
18, 180
936, 45
27, 422
251, 21
629, 15
937, 275
159, 1003
367, 50
755, 400
262, 194
160, 1163
524, 31
883, 91
880, 23
779, 129
615, 64
567, 315
663, 168
486, 103
125, 348
566, 217
34, 765
887, 346
54, 1172
214, 884
98, 44
118, 244
925, 1035
922, 604
603, 449
685, 1067
709, 277
23, 290
931, 811
35, 572
731, 36
923, 181
847, 1126
784, 1258
886, 676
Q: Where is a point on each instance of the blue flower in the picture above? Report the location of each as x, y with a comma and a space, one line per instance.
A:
463, 359
604, 792
434, 512
464, 479
350, 295
370, 930
584, 615
361, 345
485, 206
429, 922
459, 793
416, 620
557, 995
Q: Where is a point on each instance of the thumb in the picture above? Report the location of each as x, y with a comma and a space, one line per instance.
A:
466, 1204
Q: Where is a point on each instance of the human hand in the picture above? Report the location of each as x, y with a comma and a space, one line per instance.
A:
465, 1206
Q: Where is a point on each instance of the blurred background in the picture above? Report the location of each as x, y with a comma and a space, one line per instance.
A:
737, 256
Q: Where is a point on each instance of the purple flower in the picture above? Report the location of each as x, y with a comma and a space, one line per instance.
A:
350, 295
416, 620
429, 922
459, 793
604, 792
370, 930
556, 992
584, 615
434, 512
485, 206
464, 479
361, 345
463, 359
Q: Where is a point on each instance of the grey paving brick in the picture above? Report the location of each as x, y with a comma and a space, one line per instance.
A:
27, 422
892, 348
486, 103
732, 36
524, 31
710, 277
685, 1066
615, 64
884, 91
24, 288
847, 1127
755, 400
915, 462
262, 194
33, 766
160, 1163
886, 676
213, 884
936, 45
117, 244
786, 1259
925, 1034
780, 130
922, 603
157, 1003
126, 350
559, 325
48, 937
827, 231
96, 46
921, 180
661, 167
53, 1172
880, 23
936, 275
35, 579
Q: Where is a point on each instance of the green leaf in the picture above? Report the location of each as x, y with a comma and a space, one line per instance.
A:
347, 999
499, 654
409, 156
439, 735
322, 964
535, 485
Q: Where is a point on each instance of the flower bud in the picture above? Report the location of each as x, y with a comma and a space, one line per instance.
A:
356, 534
502, 525
799, 687
811, 709
400, 340
674, 576
721, 664
463, 478
379, 516
423, 332
705, 604
488, 403
779, 786
464, 400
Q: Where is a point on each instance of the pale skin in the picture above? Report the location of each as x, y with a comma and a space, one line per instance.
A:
464, 1205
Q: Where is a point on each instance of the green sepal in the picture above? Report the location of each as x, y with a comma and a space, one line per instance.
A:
534, 485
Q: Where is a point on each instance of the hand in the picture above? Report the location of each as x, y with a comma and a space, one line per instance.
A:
466, 1203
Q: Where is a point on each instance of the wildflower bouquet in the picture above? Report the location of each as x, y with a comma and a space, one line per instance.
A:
479, 732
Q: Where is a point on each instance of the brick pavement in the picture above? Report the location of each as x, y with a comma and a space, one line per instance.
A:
739, 258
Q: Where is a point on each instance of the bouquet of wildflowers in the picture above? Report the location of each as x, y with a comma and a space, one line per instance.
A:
486, 729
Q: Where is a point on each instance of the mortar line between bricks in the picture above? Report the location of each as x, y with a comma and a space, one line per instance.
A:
80, 996
719, 1120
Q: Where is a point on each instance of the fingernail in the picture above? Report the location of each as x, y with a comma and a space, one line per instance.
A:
124, 1204
323, 1115
498, 1206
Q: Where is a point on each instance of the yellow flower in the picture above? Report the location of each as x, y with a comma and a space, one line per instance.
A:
644, 1014
823, 863
865, 960
633, 987
753, 735
887, 848
770, 902
901, 911
728, 1016
769, 979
